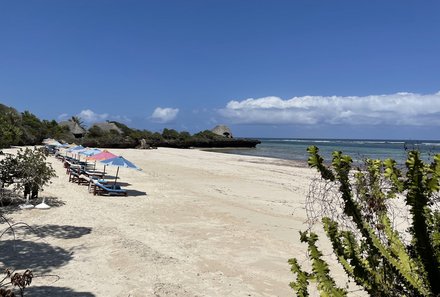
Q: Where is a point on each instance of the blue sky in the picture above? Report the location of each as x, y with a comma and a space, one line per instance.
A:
338, 69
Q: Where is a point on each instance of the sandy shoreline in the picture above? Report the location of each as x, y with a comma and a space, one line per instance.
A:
195, 223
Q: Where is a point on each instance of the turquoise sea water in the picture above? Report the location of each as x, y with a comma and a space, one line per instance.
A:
295, 149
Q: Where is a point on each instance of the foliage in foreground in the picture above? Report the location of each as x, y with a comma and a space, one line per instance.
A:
13, 280
27, 171
17, 280
380, 258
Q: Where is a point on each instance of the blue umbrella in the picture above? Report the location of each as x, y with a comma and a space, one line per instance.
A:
75, 148
90, 152
52, 142
119, 162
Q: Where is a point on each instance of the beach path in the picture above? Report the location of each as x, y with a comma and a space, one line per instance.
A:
194, 223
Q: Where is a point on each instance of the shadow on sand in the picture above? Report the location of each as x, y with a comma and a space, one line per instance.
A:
45, 291
59, 231
134, 193
130, 193
10, 202
39, 257
51, 201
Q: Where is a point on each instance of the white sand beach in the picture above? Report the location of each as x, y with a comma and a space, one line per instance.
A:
194, 223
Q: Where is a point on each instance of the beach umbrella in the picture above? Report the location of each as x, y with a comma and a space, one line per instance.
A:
105, 154
66, 147
55, 143
63, 145
75, 148
51, 142
71, 145
90, 152
48, 140
119, 162
79, 151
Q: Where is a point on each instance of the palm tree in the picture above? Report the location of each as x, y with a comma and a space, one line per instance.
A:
78, 121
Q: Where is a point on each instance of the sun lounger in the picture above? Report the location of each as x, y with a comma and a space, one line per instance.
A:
94, 173
60, 157
100, 189
74, 177
93, 181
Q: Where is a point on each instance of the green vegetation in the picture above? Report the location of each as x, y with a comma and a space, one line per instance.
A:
28, 171
380, 258
9, 131
26, 129
33, 171
78, 121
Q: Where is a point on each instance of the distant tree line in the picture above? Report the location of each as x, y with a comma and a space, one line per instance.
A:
27, 129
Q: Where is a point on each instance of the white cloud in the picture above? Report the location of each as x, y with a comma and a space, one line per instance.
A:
395, 109
63, 117
164, 115
118, 118
90, 116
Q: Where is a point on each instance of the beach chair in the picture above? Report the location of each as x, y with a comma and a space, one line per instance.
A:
74, 177
93, 181
100, 189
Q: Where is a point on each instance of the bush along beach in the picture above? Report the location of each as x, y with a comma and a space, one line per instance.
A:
27, 129
26, 172
360, 211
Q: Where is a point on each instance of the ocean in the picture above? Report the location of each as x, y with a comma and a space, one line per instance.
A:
358, 149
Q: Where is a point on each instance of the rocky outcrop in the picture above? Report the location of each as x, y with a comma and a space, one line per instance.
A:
222, 130
144, 145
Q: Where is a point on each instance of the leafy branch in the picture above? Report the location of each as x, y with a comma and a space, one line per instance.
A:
371, 250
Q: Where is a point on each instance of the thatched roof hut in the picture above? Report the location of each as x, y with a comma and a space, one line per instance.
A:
107, 127
74, 128
222, 130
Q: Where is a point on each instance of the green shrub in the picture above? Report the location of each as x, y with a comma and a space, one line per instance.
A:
33, 171
373, 252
